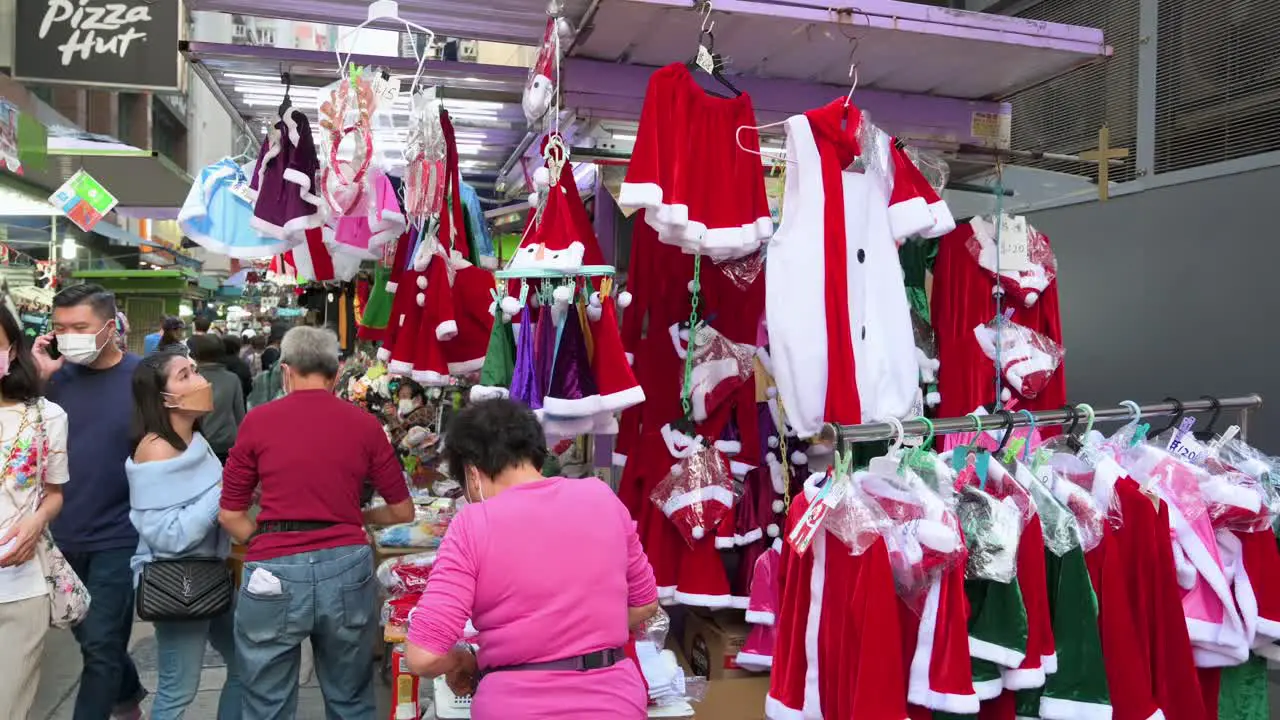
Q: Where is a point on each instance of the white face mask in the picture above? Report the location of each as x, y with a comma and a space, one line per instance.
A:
407, 405
82, 348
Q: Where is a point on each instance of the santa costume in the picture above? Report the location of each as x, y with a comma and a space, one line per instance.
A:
472, 293
843, 349
962, 300
701, 190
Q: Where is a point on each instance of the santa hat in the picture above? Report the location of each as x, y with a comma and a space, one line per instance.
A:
467, 350
701, 580
617, 384
698, 511
909, 209
526, 386
499, 364
572, 392
540, 87
907, 171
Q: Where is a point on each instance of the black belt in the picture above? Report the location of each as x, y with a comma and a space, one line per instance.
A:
279, 526
597, 660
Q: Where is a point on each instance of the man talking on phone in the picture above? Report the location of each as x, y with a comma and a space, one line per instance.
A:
91, 377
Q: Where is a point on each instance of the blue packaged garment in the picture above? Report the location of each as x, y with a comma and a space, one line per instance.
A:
475, 215
217, 212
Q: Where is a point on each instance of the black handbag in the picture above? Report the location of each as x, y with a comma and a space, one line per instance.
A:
194, 588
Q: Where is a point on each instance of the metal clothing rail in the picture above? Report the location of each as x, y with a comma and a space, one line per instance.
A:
871, 432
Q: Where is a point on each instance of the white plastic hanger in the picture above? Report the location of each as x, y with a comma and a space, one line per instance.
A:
389, 10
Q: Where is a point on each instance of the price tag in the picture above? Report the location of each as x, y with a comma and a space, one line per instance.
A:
389, 89
240, 189
802, 534
705, 60
1015, 242
1184, 445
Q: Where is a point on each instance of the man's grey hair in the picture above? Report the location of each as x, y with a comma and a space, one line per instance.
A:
310, 351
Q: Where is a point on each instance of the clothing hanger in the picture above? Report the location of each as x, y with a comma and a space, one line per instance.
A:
1178, 410
388, 11
706, 57
1031, 431
287, 102
1208, 433
1006, 417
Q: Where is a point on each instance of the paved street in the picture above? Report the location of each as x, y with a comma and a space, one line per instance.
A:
61, 673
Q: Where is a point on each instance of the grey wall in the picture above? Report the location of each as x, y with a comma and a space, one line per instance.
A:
1172, 291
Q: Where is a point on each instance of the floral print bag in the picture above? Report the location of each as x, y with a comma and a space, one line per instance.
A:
68, 597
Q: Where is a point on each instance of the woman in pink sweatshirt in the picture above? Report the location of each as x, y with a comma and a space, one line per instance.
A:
550, 572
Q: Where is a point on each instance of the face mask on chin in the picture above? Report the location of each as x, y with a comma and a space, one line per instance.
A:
82, 348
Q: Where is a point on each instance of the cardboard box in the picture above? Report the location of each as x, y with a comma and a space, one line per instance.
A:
735, 698
711, 645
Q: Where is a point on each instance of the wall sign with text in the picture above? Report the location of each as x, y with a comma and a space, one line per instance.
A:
103, 43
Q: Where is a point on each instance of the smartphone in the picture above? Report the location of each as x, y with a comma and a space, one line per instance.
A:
52, 347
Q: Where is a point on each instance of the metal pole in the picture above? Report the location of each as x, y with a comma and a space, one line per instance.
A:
883, 431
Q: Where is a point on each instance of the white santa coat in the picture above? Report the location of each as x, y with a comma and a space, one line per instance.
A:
880, 317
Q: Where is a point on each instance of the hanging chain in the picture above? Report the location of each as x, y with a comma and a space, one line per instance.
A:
999, 289
785, 459
687, 390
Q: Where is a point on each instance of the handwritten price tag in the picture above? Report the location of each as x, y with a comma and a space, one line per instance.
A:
240, 189
1015, 243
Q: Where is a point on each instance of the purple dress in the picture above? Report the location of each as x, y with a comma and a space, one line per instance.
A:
525, 383
284, 181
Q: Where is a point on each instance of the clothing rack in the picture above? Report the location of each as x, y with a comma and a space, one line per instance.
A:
871, 432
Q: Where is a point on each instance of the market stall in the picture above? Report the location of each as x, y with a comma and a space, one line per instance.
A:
753, 338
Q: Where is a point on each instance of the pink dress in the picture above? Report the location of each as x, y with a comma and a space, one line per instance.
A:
545, 571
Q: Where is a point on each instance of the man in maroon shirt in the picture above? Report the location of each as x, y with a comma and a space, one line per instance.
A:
308, 571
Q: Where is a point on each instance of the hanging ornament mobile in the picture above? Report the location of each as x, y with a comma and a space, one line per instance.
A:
541, 87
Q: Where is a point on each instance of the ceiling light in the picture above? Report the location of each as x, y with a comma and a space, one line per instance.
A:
621, 137
472, 105
244, 76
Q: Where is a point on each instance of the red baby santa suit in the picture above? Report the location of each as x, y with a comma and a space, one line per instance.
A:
436, 323
472, 287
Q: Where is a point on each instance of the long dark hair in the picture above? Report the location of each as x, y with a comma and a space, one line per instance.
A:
150, 416
22, 384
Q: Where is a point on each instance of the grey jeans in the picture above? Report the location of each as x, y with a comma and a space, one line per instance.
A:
329, 596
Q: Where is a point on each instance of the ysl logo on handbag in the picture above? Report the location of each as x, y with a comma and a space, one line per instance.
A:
186, 587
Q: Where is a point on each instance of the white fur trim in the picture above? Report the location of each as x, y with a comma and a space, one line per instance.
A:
700, 600
988, 689
919, 691
631, 358
622, 399
392, 287
466, 366
430, 378
1223, 642
750, 536
294, 229
384, 354
817, 584
775, 710
910, 217
666, 592
740, 469
479, 393
726, 543
739, 603
754, 662
619, 459
400, 367
639, 195
1049, 663
708, 493
572, 408
1052, 708
447, 330
943, 221
729, 447
1023, 678
984, 650
761, 617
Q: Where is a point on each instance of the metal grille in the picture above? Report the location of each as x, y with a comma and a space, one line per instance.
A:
144, 314
1065, 114
1217, 81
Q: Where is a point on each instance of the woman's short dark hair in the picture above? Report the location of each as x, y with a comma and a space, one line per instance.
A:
22, 384
150, 416
231, 343
207, 348
492, 436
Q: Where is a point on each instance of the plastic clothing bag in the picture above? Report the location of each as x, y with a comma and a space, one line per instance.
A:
697, 494
1027, 359
1025, 268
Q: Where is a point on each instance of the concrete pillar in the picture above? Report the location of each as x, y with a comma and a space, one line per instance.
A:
71, 103
103, 111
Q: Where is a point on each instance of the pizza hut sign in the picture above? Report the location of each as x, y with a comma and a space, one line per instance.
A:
130, 45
